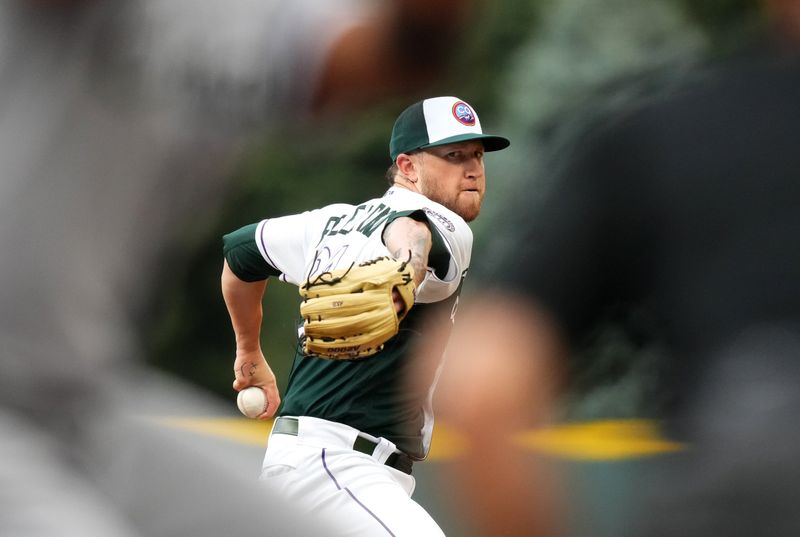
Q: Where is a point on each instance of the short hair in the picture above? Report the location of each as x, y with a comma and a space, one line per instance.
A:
391, 173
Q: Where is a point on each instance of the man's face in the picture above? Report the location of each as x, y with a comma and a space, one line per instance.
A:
454, 176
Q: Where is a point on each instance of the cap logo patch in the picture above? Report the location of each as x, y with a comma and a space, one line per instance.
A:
464, 114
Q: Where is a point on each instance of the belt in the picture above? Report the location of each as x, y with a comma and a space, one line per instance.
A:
398, 461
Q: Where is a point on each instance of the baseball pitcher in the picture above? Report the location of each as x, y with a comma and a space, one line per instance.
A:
372, 277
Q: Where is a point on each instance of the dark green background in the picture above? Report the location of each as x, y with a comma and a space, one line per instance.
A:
536, 71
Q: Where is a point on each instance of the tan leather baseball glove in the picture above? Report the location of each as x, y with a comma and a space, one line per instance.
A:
350, 313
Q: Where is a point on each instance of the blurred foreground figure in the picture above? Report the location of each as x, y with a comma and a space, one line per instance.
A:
120, 121
681, 217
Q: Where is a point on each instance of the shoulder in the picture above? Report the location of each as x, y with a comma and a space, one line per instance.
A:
438, 215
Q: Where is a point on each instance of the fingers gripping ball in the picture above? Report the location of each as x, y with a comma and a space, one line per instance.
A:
252, 402
350, 313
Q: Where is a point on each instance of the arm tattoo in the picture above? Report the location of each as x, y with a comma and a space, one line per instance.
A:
404, 236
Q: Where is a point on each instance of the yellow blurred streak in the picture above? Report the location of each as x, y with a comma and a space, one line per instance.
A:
604, 440
447, 443
242, 430
600, 440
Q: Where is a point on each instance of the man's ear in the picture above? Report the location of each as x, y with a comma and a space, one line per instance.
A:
407, 166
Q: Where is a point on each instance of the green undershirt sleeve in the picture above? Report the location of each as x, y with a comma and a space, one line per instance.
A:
244, 259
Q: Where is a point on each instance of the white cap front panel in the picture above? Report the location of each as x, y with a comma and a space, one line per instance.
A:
449, 116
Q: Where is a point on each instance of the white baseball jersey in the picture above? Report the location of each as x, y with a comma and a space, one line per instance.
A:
303, 245
333, 400
368, 394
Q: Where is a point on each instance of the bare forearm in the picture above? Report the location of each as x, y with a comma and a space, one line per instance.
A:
406, 236
243, 300
250, 368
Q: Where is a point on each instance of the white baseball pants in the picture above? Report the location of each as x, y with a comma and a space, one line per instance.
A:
351, 493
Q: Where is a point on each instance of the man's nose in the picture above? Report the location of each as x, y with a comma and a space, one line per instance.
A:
474, 168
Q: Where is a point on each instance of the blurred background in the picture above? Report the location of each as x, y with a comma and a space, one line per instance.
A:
539, 71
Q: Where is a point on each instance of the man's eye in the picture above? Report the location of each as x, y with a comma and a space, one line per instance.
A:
453, 155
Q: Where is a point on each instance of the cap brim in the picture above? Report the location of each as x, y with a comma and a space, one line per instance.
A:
490, 141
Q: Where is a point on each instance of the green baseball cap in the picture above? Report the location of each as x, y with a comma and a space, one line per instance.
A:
439, 121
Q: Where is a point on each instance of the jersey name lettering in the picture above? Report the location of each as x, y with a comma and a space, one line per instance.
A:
366, 224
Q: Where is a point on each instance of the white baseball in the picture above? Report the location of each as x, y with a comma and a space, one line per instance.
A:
252, 402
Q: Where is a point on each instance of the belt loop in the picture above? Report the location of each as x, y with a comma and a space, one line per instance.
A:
383, 450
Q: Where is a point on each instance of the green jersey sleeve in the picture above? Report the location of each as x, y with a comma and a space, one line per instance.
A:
243, 257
